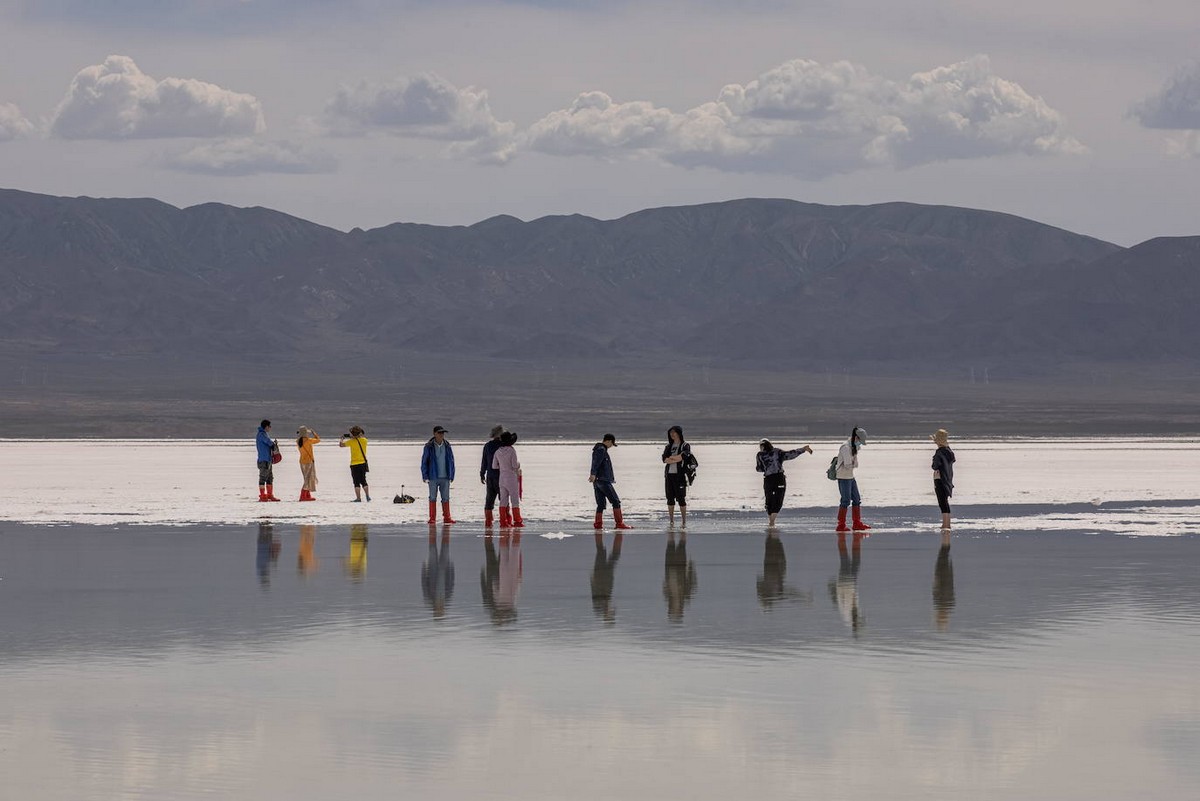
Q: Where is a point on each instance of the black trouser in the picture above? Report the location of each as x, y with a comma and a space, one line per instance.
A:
605, 491
943, 495
676, 485
774, 488
493, 489
266, 475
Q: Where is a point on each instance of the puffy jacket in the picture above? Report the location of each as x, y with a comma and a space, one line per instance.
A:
602, 467
429, 469
264, 444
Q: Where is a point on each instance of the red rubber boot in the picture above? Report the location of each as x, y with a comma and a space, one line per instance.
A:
446, 519
505, 518
271, 493
842, 519
432, 513
488, 519
262, 493
859, 525
619, 519
599, 520
516, 518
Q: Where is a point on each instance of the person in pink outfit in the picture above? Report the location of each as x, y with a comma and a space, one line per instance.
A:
509, 466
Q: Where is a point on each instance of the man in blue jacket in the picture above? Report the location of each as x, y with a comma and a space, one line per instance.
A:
437, 470
602, 479
266, 475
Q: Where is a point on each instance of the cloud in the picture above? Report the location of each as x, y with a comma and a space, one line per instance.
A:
1185, 145
246, 156
116, 100
811, 119
1176, 106
14, 124
425, 106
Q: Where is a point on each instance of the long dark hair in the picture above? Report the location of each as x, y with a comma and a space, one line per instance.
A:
678, 431
854, 441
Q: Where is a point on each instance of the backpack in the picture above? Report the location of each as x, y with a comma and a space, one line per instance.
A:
831, 473
689, 465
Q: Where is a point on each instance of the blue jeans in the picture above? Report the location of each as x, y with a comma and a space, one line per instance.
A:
848, 487
606, 491
441, 485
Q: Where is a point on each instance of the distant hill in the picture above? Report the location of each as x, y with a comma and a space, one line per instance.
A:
748, 281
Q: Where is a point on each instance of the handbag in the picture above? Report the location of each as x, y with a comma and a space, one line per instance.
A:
831, 473
365, 466
276, 456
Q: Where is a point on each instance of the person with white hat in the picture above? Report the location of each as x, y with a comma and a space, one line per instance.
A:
943, 473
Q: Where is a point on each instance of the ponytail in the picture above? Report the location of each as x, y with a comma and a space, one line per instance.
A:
854, 441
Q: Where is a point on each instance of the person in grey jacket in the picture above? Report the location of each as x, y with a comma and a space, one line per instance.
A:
943, 473
602, 479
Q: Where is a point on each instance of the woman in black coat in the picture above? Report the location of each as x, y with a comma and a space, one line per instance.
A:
943, 473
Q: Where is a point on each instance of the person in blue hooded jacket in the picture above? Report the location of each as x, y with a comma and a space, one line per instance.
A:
602, 479
437, 470
266, 475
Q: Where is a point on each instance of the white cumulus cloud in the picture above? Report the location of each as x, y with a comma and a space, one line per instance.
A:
116, 100
814, 120
1176, 106
246, 156
14, 124
424, 106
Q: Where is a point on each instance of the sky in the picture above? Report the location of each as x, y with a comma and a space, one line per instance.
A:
359, 113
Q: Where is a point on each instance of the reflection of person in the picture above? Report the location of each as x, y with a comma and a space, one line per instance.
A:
356, 562
359, 466
306, 559
437, 470
770, 585
265, 447
673, 456
305, 439
943, 473
267, 552
769, 462
490, 476
489, 581
943, 585
603, 575
843, 590
602, 478
847, 460
505, 460
500, 578
437, 574
679, 580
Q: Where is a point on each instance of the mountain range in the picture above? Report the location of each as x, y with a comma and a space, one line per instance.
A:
757, 282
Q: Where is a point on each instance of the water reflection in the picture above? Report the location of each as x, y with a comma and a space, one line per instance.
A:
500, 578
679, 581
306, 560
356, 562
771, 584
843, 590
267, 552
437, 573
943, 585
603, 575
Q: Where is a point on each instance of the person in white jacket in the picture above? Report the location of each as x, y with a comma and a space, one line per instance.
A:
847, 461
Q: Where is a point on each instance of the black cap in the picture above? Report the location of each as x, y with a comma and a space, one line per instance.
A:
440, 430
609, 438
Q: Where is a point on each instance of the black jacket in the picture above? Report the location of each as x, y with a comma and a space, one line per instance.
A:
943, 462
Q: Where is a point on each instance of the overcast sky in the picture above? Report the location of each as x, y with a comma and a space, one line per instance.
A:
1078, 113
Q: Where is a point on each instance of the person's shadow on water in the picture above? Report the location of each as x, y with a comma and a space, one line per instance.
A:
679, 579
603, 576
843, 590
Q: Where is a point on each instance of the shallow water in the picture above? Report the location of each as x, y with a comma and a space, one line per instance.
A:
288, 661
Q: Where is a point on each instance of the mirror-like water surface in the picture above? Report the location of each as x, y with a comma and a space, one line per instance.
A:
295, 661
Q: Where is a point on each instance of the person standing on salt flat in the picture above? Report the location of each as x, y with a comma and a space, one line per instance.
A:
847, 461
437, 470
943, 473
602, 480
357, 443
490, 476
266, 448
505, 460
769, 462
673, 456
305, 439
